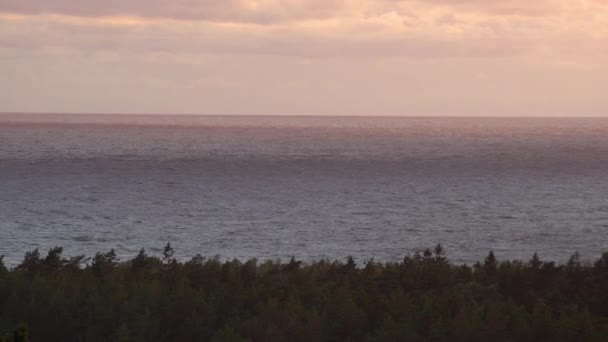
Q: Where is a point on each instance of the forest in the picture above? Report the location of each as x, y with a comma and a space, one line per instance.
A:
422, 297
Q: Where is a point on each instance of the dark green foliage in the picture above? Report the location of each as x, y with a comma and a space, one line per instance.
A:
103, 263
18, 335
3, 269
168, 253
424, 297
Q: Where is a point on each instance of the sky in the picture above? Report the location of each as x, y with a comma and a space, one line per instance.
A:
305, 57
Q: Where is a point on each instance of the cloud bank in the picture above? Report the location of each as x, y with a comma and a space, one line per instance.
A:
269, 11
567, 39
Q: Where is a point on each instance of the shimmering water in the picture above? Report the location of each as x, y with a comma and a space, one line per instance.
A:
273, 187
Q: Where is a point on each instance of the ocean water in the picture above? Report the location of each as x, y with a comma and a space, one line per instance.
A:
309, 187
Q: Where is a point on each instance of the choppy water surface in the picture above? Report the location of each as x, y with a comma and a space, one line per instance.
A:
272, 187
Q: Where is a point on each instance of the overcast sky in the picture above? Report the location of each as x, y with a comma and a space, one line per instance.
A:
321, 57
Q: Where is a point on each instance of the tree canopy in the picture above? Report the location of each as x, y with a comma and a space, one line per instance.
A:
422, 297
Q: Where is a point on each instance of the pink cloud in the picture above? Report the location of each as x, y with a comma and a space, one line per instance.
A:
273, 11
210, 10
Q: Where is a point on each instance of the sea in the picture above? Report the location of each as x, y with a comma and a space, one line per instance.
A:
311, 187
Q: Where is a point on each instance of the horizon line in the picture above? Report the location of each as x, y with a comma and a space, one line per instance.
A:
312, 115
